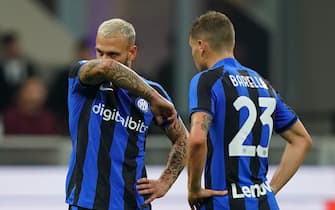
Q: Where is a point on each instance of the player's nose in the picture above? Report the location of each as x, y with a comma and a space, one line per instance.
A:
105, 56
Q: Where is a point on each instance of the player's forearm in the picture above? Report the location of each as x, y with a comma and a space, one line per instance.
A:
291, 160
196, 160
177, 157
100, 70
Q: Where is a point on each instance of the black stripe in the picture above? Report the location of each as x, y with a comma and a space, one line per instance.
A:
256, 140
231, 127
271, 92
204, 94
263, 203
74, 69
208, 177
205, 83
102, 193
256, 133
144, 174
130, 164
160, 90
82, 140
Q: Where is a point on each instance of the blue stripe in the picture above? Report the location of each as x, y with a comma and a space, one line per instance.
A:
90, 176
244, 162
193, 95
140, 159
265, 139
272, 201
73, 208
117, 157
73, 128
218, 167
251, 204
75, 102
117, 153
222, 202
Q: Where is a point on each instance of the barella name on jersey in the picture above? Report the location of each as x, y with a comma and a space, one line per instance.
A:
247, 81
252, 191
127, 122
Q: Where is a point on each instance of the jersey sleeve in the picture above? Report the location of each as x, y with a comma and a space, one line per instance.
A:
200, 96
75, 85
162, 92
284, 116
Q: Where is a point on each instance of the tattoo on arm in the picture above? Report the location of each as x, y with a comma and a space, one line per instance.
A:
88, 73
97, 71
177, 156
123, 76
206, 121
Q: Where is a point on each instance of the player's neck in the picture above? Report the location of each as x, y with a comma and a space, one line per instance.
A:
213, 59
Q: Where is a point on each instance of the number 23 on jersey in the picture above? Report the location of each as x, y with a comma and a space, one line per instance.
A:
236, 146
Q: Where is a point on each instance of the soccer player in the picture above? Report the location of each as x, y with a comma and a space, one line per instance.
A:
110, 110
233, 111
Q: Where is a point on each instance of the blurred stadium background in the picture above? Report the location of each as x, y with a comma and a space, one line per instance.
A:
290, 43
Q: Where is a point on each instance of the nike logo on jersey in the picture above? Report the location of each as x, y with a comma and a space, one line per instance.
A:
104, 87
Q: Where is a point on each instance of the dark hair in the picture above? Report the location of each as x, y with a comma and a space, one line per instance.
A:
215, 28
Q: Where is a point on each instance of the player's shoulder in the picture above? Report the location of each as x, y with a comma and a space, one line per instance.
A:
251, 71
75, 67
153, 83
158, 87
208, 75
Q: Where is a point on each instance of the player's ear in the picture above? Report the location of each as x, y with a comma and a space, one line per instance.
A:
202, 46
200, 43
133, 52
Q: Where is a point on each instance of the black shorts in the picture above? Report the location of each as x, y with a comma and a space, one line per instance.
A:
77, 208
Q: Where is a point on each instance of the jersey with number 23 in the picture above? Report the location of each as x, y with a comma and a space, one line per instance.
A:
245, 109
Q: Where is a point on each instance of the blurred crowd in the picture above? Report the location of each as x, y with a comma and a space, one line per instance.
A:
27, 104
30, 104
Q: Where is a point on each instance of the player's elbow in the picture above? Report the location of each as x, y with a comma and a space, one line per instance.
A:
103, 67
106, 65
93, 72
197, 140
308, 143
304, 143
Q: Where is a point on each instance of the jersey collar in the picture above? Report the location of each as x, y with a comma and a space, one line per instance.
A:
226, 61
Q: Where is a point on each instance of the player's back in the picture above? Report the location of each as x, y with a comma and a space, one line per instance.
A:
243, 107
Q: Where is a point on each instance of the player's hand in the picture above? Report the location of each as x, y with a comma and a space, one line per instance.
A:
154, 188
196, 199
163, 110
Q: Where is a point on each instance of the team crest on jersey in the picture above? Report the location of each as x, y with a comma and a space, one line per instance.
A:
142, 104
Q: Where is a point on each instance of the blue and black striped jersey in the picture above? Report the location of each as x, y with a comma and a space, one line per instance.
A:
245, 110
108, 127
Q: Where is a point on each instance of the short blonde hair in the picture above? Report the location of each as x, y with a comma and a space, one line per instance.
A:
115, 27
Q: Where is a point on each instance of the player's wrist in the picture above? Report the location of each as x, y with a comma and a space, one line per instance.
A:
166, 178
273, 189
194, 187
